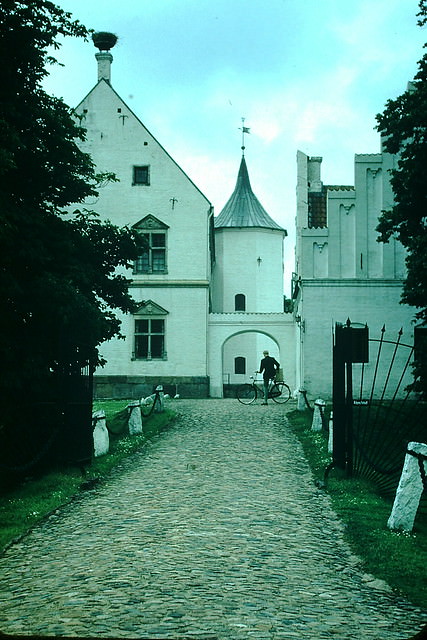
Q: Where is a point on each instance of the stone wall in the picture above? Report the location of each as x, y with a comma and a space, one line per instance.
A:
128, 387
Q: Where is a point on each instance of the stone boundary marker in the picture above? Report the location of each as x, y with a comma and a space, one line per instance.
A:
411, 485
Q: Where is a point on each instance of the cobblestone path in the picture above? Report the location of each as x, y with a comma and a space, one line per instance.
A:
216, 530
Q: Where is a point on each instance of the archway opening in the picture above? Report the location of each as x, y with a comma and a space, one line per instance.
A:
244, 347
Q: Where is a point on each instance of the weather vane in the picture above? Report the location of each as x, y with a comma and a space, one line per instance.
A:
244, 130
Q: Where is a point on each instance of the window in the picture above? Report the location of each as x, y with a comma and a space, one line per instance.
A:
149, 339
141, 175
153, 259
240, 302
149, 328
239, 365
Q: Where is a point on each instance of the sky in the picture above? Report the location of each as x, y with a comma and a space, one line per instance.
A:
306, 75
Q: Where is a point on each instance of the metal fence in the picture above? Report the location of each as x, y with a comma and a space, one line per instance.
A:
376, 412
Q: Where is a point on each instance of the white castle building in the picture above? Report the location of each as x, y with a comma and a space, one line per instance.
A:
341, 270
209, 291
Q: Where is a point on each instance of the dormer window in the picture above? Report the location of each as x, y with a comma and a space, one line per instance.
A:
141, 175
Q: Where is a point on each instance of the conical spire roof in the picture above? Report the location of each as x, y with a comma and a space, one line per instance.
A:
243, 209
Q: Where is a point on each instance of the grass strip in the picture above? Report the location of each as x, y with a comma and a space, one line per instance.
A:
36, 497
396, 557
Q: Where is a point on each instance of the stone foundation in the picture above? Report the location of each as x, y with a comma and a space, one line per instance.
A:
230, 390
135, 387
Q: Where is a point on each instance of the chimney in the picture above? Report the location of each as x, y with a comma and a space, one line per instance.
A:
315, 183
104, 41
104, 59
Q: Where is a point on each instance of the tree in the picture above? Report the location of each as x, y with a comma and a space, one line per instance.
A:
403, 124
59, 280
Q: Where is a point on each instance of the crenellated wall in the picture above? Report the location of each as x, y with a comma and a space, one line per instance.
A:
341, 270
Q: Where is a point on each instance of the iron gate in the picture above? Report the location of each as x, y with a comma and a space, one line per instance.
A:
376, 413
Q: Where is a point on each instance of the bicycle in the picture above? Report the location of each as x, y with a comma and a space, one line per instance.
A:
278, 391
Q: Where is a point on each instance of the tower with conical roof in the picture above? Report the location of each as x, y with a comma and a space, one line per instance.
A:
243, 209
248, 274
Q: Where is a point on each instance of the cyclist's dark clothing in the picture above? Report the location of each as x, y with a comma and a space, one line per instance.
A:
268, 367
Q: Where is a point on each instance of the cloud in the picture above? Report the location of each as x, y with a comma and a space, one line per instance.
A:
306, 75
376, 36
267, 128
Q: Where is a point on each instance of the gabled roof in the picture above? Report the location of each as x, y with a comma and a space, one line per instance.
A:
108, 84
243, 208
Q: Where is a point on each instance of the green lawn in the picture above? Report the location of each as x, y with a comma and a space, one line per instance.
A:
399, 559
33, 499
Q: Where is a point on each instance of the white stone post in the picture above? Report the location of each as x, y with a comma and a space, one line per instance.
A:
317, 423
101, 439
331, 433
160, 406
301, 403
135, 419
410, 488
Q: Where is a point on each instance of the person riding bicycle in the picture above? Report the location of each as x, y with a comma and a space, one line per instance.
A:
268, 368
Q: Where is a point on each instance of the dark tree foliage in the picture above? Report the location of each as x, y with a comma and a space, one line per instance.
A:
58, 272
403, 124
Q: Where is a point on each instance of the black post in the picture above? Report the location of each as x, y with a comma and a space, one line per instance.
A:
350, 345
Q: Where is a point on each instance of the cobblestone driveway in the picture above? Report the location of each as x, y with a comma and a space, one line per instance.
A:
216, 530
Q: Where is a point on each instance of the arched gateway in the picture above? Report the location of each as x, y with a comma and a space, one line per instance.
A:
278, 327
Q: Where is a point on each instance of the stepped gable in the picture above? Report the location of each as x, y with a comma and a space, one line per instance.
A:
243, 208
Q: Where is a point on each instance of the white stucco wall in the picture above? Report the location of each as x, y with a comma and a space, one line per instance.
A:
119, 141
185, 336
374, 304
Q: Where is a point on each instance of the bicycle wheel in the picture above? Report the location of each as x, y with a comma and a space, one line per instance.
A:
280, 392
246, 394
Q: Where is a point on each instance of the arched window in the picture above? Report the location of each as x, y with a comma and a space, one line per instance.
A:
239, 365
239, 302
